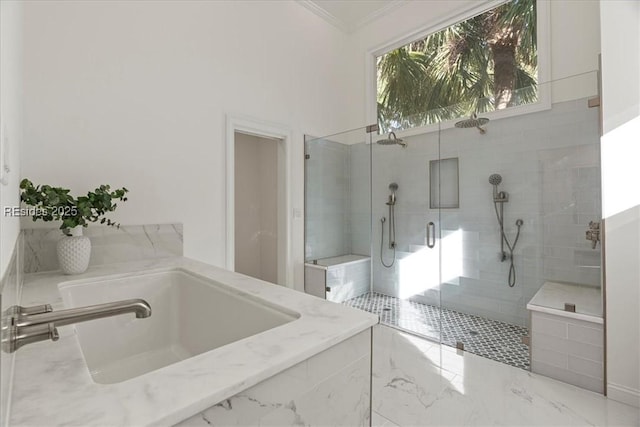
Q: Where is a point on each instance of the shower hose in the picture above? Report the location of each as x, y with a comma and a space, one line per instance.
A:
392, 224
511, 247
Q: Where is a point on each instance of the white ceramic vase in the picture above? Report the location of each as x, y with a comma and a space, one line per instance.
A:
74, 252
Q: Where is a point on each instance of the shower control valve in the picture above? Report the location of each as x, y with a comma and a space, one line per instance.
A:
593, 233
501, 197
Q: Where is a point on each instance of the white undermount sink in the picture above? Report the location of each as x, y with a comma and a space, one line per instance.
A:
190, 315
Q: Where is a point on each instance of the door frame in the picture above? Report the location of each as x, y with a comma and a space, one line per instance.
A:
261, 129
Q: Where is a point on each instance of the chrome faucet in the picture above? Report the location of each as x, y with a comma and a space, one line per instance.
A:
25, 325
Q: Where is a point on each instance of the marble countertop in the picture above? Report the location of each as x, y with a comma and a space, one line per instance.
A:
553, 295
52, 385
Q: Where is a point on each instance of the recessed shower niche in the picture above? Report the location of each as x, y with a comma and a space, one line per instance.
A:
444, 183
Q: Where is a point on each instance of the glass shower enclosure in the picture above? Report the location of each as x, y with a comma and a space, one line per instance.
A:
338, 215
463, 228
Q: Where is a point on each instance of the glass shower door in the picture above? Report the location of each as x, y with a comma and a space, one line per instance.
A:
405, 240
487, 188
528, 187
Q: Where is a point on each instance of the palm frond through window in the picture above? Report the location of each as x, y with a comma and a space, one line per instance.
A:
485, 63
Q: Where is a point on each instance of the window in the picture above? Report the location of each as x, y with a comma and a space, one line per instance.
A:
485, 63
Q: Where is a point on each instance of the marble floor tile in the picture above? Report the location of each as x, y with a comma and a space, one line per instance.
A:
378, 420
420, 383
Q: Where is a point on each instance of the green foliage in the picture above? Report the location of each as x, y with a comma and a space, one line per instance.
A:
483, 63
56, 204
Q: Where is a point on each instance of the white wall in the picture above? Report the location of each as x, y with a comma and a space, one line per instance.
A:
135, 94
574, 29
256, 207
10, 120
575, 37
620, 23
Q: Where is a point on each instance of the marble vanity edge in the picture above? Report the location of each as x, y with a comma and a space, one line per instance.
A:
331, 332
10, 288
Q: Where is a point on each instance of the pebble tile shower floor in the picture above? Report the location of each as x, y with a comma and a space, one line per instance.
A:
485, 337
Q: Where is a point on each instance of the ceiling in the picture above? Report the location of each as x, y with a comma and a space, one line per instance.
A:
349, 15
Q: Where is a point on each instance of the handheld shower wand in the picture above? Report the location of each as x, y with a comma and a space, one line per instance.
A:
501, 197
498, 196
393, 187
495, 180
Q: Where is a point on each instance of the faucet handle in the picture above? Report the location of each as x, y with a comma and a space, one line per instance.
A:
55, 336
53, 333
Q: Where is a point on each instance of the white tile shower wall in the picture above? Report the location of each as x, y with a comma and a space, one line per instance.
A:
10, 286
327, 194
109, 244
331, 388
550, 165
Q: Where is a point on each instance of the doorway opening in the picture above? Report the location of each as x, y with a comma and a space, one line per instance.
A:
256, 206
258, 200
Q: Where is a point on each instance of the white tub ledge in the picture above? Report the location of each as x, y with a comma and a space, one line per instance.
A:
325, 349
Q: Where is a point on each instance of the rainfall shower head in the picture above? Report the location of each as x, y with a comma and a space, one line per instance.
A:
473, 122
392, 140
495, 179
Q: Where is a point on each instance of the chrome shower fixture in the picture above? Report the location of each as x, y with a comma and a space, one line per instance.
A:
392, 140
473, 122
498, 196
393, 187
495, 179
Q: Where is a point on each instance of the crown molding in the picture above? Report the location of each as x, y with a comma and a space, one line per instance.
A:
346, 26
376, 14
313, 7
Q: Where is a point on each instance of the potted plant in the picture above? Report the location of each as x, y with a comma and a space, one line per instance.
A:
56, 204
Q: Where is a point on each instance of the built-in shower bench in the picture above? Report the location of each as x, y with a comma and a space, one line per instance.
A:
338, 278
567, 334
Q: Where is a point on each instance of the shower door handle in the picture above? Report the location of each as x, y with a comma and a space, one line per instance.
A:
431, 235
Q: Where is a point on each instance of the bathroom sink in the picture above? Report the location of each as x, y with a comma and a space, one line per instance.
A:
190, 315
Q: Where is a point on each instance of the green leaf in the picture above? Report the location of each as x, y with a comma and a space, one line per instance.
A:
74, 212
